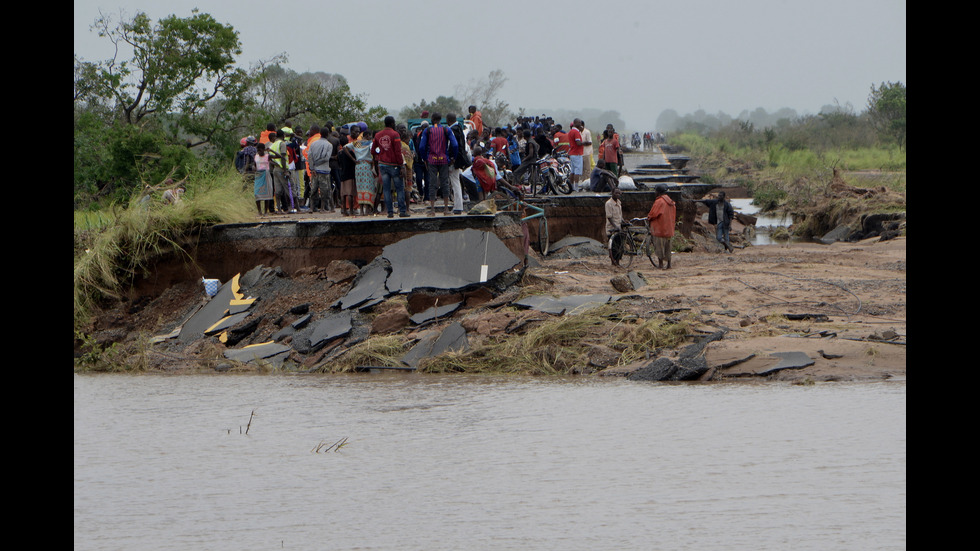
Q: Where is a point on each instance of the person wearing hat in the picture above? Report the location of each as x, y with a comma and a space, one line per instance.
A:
662, 218
245, 155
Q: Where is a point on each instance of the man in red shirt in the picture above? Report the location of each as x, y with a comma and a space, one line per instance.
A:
387, 152
498, 145
662, 218
576, 148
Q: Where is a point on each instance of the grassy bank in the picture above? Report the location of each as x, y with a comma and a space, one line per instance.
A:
835, 185
556, 346
755, 165
113, 245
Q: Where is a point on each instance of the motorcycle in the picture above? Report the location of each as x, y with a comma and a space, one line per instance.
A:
553, 176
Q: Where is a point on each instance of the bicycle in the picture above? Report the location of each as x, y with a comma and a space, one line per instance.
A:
519, 205
632, 245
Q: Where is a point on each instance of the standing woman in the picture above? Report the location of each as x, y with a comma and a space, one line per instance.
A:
263, 180
348, 192
409, 157
364, 176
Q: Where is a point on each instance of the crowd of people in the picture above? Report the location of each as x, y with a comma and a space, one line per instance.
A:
455, 158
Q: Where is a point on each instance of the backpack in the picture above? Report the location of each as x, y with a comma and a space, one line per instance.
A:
462, 160
240, 160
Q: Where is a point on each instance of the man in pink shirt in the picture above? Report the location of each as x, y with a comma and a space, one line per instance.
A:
576, 147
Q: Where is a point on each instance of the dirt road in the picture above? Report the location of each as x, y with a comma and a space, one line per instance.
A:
859, 287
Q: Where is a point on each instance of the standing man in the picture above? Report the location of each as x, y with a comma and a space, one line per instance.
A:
529, 160
609, 152
575, 150
587, 149
458, 164
319, 153
662, 218
721, 213
477, 118
614, 224
438, 148
387, 152
279, 168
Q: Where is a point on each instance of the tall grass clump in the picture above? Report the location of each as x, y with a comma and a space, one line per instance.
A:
121, 243
561, 346
376, 351
636, 341
555, 347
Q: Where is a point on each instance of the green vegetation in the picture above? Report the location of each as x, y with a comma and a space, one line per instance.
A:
793, 166
172, 101
114, 245
826, 170
886, 108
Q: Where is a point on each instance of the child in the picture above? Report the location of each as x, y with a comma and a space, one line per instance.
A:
263, 181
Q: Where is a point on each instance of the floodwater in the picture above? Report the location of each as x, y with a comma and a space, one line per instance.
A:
463, 462
764, 222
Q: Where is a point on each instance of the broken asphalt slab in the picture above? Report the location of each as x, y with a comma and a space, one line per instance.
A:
450, 339
558, 306
437, 260
271, 352
446, 260
228, 296
321, 332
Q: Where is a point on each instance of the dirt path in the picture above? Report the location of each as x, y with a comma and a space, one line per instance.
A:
859, 287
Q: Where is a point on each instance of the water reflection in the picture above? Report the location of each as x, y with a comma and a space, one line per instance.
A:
765, 223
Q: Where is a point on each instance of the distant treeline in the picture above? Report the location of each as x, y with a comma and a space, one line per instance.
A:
882, 122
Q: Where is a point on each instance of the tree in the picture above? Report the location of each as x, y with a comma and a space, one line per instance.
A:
441, 105
886, 107
283, 94
176, 66
278, 94
483, 94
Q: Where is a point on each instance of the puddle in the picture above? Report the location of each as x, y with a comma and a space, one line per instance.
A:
764, 222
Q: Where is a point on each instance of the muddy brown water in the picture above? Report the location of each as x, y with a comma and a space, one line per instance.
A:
461, 462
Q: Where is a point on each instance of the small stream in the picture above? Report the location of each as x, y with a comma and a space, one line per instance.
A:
764, 222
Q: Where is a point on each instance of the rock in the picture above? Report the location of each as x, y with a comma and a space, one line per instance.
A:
602, 356
621, 283
391, 321
840, 233
665, 369
485, 207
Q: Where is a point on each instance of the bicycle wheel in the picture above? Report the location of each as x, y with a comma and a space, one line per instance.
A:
543, 239
629, 250
647, 247
548, 181
535, 182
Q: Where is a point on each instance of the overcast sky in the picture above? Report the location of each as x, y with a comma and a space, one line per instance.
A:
638, 57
